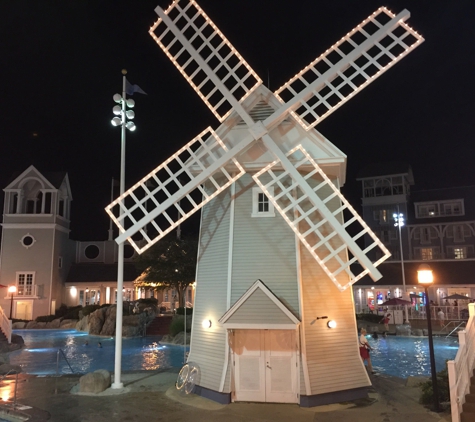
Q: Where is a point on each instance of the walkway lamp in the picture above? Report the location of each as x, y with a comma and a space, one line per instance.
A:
425, 277
399, 222
12, 291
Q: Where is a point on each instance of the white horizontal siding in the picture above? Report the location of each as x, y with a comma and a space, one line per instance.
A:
263, 248
208, 346
332, 355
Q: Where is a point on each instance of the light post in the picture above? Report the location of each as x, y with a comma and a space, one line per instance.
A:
121, 110
399, 222
12, 291
425, 277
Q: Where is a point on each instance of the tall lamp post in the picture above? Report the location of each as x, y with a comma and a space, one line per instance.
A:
425, 277
121, 110
12, 291
399, 222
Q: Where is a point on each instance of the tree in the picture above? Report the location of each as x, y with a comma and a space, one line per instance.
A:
170, 264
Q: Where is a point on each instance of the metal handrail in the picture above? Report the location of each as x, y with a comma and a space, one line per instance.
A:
464, 323
65, 358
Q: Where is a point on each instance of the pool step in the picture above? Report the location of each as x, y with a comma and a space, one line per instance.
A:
468, 408
160, 325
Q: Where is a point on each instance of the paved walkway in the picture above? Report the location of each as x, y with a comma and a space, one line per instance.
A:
151, 396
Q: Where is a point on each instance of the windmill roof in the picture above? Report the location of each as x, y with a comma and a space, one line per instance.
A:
82, 273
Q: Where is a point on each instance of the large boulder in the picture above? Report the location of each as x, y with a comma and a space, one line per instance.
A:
180, 338
19, 325
56, 323
108, 327
417, 332
69, 323
83, 324
95, 382
34, 325
96, 321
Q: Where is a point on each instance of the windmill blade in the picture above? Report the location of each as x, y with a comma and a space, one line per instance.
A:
313, 207
172, 192
347, 67
203, 55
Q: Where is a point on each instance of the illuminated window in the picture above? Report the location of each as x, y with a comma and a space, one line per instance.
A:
459, 252
25, 283
440, 208
426, 254
261, 206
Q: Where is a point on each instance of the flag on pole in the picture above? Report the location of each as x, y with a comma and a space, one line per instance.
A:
131, 89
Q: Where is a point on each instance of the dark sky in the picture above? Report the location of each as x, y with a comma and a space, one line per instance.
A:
61, 64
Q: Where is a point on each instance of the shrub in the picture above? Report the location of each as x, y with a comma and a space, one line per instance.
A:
61, 311
72, 312
373, 318
177, 325
45, 318
427, 396
181, 311
149, 301
89, 309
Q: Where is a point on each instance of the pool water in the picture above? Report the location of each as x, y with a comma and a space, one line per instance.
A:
139, 353
409, 356
394, 355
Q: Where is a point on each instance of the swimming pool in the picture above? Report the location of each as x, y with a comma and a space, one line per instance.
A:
394, 355
82, 351
409, 356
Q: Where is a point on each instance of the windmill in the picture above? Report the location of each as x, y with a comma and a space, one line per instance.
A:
261, 282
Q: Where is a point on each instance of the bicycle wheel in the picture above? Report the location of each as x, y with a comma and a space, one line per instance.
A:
182, 377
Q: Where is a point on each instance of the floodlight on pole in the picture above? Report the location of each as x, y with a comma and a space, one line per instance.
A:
124, 124
426, 278
399, 222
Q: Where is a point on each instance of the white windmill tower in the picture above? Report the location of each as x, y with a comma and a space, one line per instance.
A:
267, 282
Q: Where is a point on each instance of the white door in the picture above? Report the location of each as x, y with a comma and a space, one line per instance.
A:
24, 309
265, 365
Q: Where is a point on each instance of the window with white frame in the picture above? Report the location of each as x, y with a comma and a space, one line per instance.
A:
426, 254
25, 283
459, 252
261, 206
425, 234
458, 232
452, 207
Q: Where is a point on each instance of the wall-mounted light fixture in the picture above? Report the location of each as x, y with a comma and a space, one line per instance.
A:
206, 323
331, 324
317, 318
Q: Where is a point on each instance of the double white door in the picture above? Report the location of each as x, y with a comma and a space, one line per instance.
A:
265, 366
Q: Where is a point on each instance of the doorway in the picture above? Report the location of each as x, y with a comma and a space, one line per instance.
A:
265, 366
24, 309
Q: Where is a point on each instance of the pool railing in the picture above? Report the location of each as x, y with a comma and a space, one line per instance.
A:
6, 325
461, 369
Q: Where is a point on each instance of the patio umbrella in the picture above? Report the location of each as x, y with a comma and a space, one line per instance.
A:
396, 302
457, 296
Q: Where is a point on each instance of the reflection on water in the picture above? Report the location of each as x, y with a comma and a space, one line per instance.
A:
6, 389
82, 352
409, 356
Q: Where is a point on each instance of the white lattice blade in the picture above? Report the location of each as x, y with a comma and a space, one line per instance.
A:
355, 61
203, 55
313, 207
172, 192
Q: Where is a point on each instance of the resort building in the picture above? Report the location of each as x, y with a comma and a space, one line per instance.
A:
437, 228
47, 267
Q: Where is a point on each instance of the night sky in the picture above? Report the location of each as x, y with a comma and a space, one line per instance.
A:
61, 64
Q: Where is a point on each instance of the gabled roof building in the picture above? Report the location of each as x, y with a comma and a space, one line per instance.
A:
438, 229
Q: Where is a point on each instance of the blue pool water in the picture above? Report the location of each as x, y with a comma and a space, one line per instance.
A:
397, 356
139, 353
409, 356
